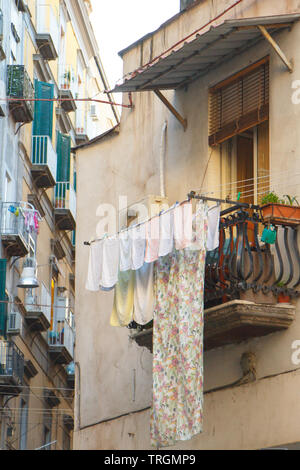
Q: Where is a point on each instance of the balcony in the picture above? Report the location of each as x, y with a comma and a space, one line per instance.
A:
85, 127
61, 343
14, 236
70, 370
21, 5
2, 51
11, 368
244, 280
65, 206
19, 87
47, 32
68, 89
38, 309
44, 162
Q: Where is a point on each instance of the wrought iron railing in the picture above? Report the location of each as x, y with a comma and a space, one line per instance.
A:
62, 335
47, 23
68, 80
38, 300
11, 361
19, 84
12, 221
65, 197
244, 263
43, 153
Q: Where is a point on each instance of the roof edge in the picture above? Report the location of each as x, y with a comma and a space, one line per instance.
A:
163, 25
114, 130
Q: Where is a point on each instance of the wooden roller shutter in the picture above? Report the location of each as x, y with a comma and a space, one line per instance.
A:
239, 103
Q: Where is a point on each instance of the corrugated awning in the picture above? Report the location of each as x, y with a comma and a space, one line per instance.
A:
205, 52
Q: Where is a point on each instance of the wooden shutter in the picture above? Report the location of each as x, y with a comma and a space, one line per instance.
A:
43, 111
63, 157
239, 103
3, 306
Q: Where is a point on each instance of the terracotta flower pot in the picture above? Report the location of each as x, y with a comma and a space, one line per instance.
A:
283, 299
281, 214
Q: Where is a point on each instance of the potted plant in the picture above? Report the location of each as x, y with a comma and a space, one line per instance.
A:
282, 296
67, 80
280, 211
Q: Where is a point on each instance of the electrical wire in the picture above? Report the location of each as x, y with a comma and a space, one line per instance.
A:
37, 388
59, 100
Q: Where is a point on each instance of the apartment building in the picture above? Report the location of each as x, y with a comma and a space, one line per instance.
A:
49, 58
215, 116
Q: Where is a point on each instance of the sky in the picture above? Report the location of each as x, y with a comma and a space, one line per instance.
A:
119, 23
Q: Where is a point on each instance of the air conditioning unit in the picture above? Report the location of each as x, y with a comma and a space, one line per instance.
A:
15, 324
94, 112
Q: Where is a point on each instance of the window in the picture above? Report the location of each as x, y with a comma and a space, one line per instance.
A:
239, 125
23, 423
239, 103
47, 437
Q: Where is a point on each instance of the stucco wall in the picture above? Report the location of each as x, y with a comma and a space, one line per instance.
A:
128, 164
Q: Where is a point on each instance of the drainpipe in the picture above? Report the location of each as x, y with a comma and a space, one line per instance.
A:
162, 155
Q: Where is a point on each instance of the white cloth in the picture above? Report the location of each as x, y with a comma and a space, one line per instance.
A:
125, 251
166, 242
95, 266
110, 262
200, 227
144, 294
152, 239
213, 234
138, 246
122, 313
183, 218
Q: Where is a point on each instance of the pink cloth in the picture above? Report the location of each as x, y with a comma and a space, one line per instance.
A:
183, 220
152, 240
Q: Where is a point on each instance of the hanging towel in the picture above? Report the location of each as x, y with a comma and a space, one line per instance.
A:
200, 227
138, 246
152, 239
110, 262
166, 242
183, 215
95, 266
125, 251
144, 294
122, 313
213, 234
177, 405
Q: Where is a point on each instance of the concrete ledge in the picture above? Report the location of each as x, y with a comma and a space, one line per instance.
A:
239, 320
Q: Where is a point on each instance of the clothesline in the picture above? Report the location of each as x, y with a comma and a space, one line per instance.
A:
191, 195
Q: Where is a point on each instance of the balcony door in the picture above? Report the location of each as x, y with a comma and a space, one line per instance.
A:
43, 110
239, 125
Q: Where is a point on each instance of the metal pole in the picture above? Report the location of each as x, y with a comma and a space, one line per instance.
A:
46, 445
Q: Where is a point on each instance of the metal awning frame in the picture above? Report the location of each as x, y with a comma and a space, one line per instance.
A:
152, 81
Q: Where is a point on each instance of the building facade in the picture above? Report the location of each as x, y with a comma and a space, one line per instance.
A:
50, 70
216, 110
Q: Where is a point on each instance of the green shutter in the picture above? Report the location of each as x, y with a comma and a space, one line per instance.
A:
3, 306
63, 157
43, 111
75, 181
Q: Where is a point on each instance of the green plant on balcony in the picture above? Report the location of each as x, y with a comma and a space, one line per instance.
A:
280, 211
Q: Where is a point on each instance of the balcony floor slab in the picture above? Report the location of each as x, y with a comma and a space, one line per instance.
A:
42, 176
233, 322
